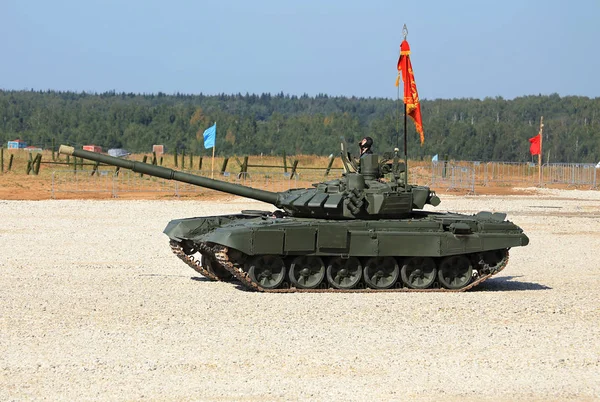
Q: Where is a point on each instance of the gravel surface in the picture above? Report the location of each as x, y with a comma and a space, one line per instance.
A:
94, 306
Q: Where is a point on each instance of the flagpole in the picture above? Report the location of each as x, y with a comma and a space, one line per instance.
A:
540, 154
212, 167
397, 148
405, 33
398, 119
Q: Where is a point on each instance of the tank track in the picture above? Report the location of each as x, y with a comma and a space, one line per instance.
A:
192, 262
221, 255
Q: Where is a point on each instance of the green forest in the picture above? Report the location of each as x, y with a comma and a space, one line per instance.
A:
492, 129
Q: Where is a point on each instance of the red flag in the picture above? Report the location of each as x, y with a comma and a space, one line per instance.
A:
534, 148
411, 97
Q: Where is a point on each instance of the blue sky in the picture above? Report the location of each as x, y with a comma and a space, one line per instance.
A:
460, 49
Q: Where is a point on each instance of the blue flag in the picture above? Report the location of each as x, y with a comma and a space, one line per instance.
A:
435, 158
210, 135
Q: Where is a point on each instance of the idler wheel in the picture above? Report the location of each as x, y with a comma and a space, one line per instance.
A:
344, 273
211, 265
381, 272
455, 272
418, 272
268, 271
307, 272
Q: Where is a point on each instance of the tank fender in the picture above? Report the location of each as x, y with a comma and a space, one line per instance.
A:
236, 239
196, 229
190, 228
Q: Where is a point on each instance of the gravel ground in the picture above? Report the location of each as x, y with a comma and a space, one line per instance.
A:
93, 305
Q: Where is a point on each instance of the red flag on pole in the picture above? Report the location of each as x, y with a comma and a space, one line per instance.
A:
411, 97
534, 148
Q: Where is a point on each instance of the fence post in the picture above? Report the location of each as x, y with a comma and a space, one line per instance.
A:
1, 160
191, 160
30, 163
10, 161
294, 165
53, 154
36, 167
240, 164
114, 183
153, 157
144, 159
485, 173
34, 164
95, 168
224, 166
329, 165
245, 165
284, 162
200, 164
183, 159
542, 176
572, 176
175, 158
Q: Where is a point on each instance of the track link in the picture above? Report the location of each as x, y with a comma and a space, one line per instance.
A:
191, 261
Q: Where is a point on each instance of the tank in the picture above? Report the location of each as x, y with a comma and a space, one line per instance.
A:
366, 231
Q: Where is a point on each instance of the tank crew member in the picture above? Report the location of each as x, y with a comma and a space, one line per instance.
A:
365, 146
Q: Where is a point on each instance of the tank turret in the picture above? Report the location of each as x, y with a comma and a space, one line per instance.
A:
370, 189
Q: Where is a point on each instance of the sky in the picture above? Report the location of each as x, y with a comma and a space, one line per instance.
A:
460, 49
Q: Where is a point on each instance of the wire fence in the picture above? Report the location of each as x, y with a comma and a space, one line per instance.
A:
466, 175
453, 176
571, 174
509, 173
463, 176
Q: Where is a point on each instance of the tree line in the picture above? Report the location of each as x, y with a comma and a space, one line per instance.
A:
467, 129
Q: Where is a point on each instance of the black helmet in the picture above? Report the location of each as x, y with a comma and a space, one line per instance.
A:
366, 142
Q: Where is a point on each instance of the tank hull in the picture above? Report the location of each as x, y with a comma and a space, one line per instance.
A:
434, 237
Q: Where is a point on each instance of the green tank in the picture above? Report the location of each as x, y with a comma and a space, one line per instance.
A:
366, 231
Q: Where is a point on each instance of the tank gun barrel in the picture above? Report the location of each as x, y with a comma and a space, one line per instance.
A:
170, 174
